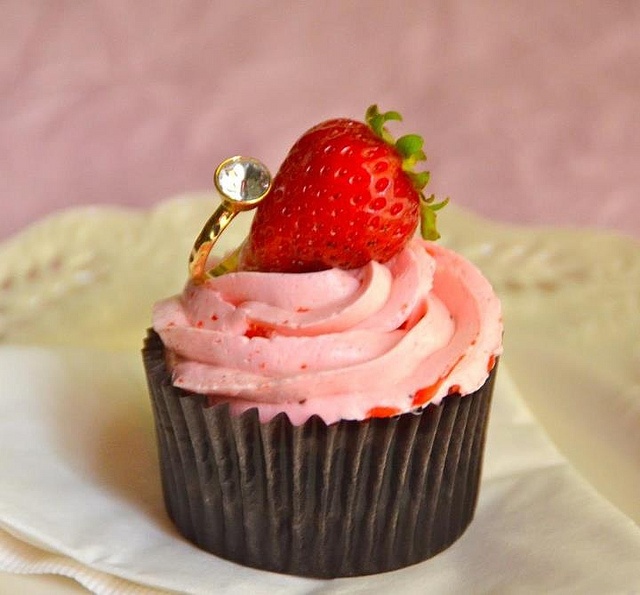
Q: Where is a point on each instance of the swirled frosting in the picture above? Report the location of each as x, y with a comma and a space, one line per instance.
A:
376, 341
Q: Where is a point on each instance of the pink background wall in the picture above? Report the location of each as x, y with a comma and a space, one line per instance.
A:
530, 110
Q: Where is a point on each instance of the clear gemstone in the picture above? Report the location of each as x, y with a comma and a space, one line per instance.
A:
243, 179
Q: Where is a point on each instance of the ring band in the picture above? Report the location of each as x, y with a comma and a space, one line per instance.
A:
242, 183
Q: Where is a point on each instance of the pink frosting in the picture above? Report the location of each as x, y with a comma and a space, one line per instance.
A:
376, 341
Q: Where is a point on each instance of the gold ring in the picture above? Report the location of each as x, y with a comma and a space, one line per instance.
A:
242, 183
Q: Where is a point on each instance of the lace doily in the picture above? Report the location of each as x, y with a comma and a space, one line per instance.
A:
90, 276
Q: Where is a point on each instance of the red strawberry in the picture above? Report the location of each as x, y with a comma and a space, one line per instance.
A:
345, 194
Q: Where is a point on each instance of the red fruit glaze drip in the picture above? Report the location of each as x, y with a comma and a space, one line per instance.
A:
255, 330
427, 393
382, 412
424, 395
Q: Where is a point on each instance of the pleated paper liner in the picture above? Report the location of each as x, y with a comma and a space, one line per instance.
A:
348, 499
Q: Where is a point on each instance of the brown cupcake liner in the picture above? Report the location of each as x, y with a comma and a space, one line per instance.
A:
348, 499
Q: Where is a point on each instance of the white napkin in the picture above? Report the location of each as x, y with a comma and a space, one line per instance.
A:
21, 558
81, 486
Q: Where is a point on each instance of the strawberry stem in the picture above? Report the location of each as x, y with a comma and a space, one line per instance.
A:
410, 148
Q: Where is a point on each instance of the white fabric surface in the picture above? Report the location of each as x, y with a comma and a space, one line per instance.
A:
80, 493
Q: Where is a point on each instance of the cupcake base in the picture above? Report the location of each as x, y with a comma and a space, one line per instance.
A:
348, 499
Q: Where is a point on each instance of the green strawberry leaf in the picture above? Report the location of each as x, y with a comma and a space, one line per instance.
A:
410, 148
228, 264
420, 179
428, 216
409, 144
439, 205
376, 121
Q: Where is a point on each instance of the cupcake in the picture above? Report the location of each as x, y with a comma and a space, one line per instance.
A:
321, 395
